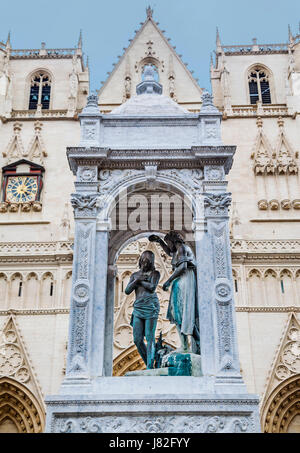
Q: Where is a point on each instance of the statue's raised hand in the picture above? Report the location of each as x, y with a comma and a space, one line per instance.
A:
154, 238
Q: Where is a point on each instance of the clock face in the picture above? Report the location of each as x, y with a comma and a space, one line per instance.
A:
21, 189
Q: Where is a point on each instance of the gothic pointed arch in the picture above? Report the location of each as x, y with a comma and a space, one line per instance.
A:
21, 400
260, 84
20, 407
281, 400
128, 360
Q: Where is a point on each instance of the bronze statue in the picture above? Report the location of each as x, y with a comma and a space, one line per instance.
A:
146, 306
183, 306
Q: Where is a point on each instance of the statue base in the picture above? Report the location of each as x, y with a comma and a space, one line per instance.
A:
133, 404
174, 364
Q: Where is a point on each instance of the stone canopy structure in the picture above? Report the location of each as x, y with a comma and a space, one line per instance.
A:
150, 144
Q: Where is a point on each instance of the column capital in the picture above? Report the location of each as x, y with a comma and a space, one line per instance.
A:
216, 204
86, 205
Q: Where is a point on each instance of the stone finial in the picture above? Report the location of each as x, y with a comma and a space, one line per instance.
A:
8, 44
207, 104
149, 11
92, 104
207, 99
291, 37
149, 85
79, 45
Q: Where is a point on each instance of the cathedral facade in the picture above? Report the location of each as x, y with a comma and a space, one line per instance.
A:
256, 87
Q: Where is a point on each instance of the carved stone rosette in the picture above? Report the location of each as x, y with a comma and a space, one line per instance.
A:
216, 211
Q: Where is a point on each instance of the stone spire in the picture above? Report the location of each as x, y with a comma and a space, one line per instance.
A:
218, 41
149, 85
8, 44
79, 45
149, 11
291, 37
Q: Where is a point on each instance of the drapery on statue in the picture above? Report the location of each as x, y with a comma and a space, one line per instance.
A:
183, 306
146, 306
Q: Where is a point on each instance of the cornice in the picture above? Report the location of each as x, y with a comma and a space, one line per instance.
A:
190, 157
42, 311
268, 309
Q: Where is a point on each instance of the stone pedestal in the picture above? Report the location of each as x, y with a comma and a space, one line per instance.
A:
153, 404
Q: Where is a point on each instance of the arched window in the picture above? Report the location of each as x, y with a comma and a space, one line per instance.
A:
40, 90
259, 87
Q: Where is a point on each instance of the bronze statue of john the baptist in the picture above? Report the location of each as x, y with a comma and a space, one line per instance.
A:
146, 306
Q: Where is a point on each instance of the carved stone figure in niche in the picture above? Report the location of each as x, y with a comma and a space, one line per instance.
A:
146, 306
127, 86
183, 308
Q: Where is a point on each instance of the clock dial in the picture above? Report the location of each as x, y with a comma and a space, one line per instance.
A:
21, 189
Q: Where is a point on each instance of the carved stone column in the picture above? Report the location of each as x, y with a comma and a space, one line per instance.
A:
78, 361
227, 368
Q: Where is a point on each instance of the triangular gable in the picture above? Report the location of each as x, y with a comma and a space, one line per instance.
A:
15, 363
15, 149
286, 361
262, 153
13, 165
36, 149
150, 45
284, 152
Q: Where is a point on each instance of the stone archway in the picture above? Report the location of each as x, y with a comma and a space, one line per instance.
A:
282, 409
19, 409
129, 360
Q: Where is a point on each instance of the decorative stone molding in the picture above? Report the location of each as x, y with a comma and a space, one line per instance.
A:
156, 424
263, 205
286, 204
274, 205
87, 174
296, 204
282, 406
85, 205
214, 173
35, 206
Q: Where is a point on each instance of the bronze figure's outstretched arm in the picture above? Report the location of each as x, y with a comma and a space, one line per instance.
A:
155, 238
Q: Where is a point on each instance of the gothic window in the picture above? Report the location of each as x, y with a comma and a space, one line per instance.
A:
259, 86
40, 89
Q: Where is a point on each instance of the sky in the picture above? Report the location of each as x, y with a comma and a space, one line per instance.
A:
107, 25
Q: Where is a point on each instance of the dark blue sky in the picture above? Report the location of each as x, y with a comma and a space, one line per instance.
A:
108, 24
